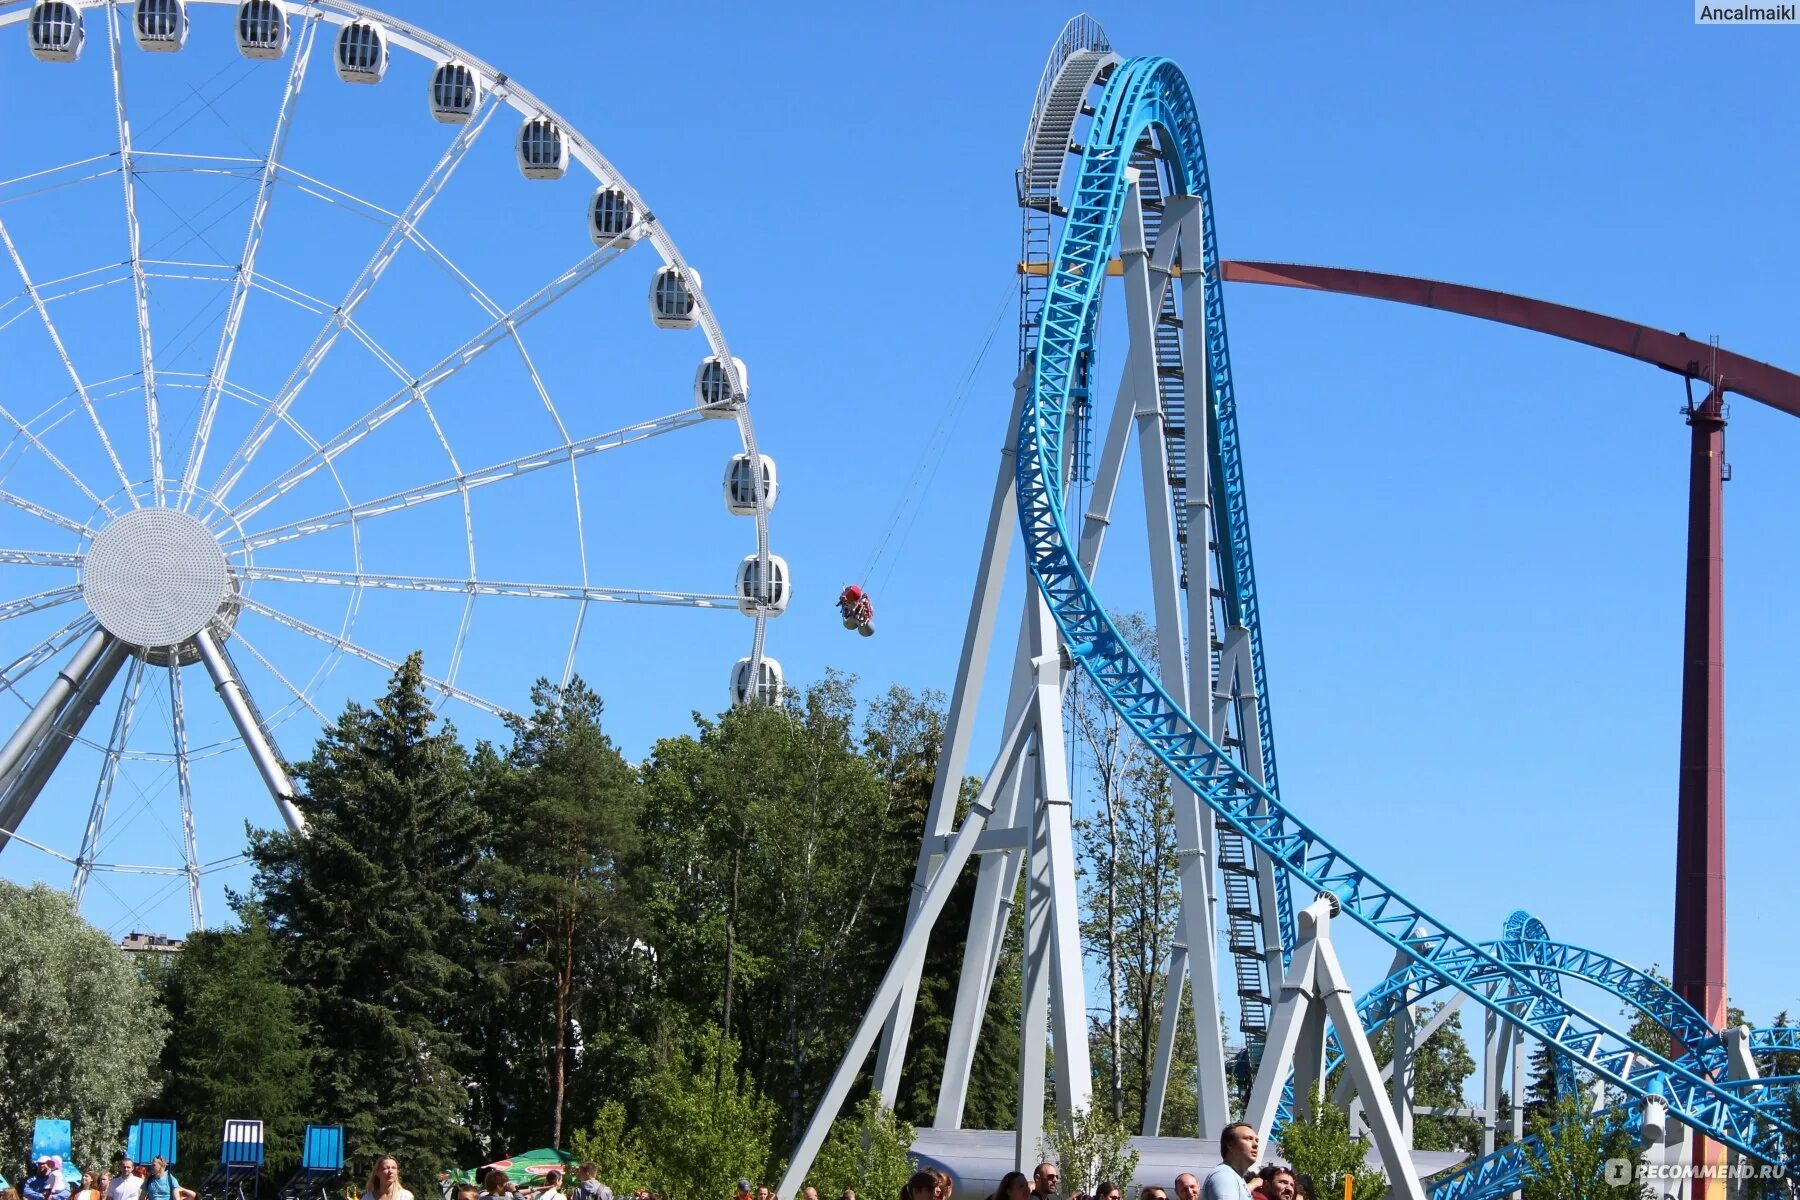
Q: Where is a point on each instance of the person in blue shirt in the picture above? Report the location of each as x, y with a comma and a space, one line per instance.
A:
161, 1184
47, 1182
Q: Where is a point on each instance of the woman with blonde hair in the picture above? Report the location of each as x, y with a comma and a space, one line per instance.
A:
384, 1181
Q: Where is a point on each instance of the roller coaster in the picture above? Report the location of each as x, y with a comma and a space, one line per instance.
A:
1133, 182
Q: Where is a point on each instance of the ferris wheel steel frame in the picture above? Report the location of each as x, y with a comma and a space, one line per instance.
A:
56, 717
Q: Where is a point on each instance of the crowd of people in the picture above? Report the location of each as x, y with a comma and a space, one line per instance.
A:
1238, 1177
51, 1179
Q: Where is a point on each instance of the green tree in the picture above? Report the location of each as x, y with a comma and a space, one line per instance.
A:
80, 1028
1441, 1066
774, 889
236, 1047
1322, 1147
869, 1149
369, 907
1571, 1154
1094, 1149
562, 824
706, 1124
613, 1147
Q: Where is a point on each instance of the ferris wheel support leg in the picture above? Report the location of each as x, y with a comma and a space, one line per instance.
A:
1192, 831
80, 686
256, 738
907, 961
965, 701
44, 711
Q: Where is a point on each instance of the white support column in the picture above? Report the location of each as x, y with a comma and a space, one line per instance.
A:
1166, 1030
1359, 1060
1402, 1067
1739, 1062
1068, 996
1491, 1034
1034, 1023
1512, 1071
907, 961
1314, 990
996, 887
256, 738
965, 702
1192, 845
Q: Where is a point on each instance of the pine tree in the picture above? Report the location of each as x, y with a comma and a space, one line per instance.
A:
370, 910
562, 821
235, 1048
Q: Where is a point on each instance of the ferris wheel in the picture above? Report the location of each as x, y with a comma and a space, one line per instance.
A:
299, 378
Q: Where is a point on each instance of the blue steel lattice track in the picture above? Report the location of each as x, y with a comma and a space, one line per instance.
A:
1151, 93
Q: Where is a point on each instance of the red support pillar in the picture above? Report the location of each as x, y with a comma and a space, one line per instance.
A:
1699, 963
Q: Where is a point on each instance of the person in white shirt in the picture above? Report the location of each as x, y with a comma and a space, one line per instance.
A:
1239, 1147
384, 1181
125, 1185
553, 1186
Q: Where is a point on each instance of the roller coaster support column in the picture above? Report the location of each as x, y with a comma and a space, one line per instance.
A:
908, 959
1193, 830
953, 757
1316, 988
1699, 970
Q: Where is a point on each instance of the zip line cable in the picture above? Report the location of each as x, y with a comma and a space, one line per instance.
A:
924, 472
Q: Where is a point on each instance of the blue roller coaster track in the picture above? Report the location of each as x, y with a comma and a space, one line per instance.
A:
1515, 977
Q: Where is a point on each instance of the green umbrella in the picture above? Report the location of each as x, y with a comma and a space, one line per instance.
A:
522, 1169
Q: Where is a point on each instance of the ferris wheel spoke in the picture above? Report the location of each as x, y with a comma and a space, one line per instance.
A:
246, 268
489, 587
68, 363
38, 558
50, 455
305, 700
502, 328
482, 477
39, 602
134, 239
46, 514
443, 687
109, 775
359, 291
190, 854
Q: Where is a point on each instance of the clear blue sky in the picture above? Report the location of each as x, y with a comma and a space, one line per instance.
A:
1468, 538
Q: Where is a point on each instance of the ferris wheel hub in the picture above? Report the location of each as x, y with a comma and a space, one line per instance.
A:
154, 578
